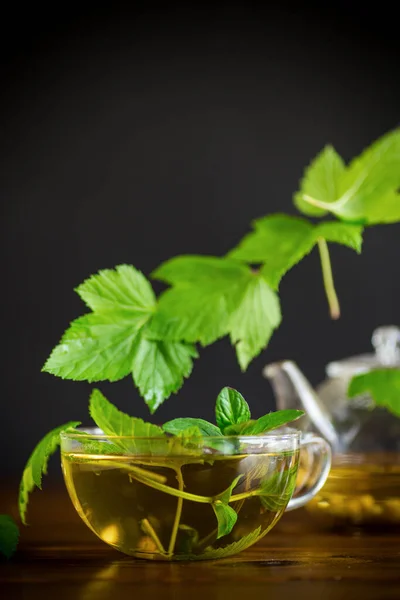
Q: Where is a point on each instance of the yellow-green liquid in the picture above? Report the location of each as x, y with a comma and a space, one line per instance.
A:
364, 492
146, 522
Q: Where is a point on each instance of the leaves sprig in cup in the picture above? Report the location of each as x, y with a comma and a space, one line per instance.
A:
186, 438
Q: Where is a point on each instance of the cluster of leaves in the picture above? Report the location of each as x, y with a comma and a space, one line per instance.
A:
125, 434
131, 332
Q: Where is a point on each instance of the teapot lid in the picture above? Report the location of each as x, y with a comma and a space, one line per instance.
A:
386, 341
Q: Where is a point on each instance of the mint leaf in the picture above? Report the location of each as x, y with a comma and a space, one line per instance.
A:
225, 514
367, 190
114, 422
321, 180
276, 491
9, 534
231, 408
272, 421
37, 465
160, 367
280, 242
252, 323
382, 384
96, 347
182, 425
229, 550
123, 289
226, 518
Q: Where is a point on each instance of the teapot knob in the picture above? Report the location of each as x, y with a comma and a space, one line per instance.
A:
386, 341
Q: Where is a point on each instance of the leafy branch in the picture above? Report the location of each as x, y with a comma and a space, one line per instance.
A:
131, 332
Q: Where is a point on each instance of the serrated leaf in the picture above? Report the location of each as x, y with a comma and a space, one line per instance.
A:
382, 384
347, 234
197, 269
231, 408
181, 425
367, 190
272, 421
9, 535
123, 288
37, 465
160, 368
114, 422
280, 242
191, 313
321, 180
254, 320
229, 550
96, 347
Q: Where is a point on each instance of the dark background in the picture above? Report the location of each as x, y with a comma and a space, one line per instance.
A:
135, 136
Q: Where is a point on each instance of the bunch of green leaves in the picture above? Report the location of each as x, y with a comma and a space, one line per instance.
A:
131, 332
186, 439
382, 384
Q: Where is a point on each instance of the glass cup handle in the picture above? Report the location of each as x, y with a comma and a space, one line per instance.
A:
319, 458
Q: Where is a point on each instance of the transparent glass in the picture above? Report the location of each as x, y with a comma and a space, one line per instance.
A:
192, 498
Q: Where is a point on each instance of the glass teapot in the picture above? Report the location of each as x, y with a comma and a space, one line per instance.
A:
363, 487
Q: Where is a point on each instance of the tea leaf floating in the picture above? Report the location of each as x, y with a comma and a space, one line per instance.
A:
224, 551
9, 535
37, 465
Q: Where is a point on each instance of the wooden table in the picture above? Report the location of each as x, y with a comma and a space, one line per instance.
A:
59, 558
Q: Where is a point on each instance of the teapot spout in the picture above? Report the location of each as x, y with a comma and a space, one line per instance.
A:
293, 390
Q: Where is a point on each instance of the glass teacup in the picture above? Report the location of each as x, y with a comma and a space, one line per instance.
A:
189, 498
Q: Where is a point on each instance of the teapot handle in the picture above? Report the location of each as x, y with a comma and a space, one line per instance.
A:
318, 457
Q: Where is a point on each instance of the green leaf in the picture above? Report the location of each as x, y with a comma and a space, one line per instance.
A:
346, 234
229, 550
276, 491
225, 514
254, 320
198, 308
159, 369
382, 384
198, 269
367, 190
272, 421
37, 465
9, 534
114, 422
231, 408
321, 180
226, 518
281, 241
96, 347
181, 425
193, 313
123, 289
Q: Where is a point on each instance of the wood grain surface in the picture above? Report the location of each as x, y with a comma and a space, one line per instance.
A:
60, 558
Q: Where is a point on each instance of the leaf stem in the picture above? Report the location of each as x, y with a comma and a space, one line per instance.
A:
329, 285
149, 529
178, 513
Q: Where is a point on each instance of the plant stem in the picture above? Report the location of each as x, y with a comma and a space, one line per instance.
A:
178, 513
149, 529
328, 279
